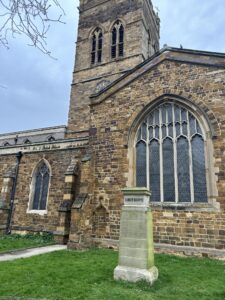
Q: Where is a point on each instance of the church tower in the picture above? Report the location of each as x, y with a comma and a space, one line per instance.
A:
113, 37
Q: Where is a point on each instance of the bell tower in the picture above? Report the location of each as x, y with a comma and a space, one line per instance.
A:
113, 37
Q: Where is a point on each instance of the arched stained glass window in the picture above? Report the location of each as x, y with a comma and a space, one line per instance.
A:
41, 180
117, 43
171, 143
96, 51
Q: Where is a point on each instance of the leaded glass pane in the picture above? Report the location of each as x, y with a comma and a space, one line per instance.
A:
184, 114
163, 110
43, 169
157, 132
198, 128
150, 119
144, 131
37, 190
183, 173
150, 133
192, 125
177, 113
171, 130
139, 135
170, 113
168, 171
177, 129
154, 167
44, 194
141, 165
156, 117
164, 134
185, 128
199, 172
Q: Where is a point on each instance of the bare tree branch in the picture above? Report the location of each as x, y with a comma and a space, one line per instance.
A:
31, 18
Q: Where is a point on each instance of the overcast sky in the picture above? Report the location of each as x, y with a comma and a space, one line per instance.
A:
35, 89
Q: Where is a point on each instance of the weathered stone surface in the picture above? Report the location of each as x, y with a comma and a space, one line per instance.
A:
135, 275
105, 124
141, 41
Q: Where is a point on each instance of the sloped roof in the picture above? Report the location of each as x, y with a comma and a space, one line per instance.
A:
180, 55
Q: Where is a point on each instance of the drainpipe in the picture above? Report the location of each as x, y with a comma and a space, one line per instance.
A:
18, 159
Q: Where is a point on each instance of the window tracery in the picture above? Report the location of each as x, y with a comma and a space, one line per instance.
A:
40, 186
170, 155
97, 42
117, 43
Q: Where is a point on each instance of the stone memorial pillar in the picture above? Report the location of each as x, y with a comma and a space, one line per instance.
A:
136, 249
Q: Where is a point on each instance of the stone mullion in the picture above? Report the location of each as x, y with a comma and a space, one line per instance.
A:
40, 194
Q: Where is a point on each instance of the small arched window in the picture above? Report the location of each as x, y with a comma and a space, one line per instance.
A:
117, 43
171, 155
51, 139
27, 141
40, 186
97, 41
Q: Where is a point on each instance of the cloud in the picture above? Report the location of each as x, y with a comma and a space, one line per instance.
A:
194, 24
35, 89
38, 87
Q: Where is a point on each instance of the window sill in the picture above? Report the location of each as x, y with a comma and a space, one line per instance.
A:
193, 207
95, 64
117, 58
37, 212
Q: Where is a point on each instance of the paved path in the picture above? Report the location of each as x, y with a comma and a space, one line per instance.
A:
30, 252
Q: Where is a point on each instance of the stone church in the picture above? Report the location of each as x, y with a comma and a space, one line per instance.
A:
139, 117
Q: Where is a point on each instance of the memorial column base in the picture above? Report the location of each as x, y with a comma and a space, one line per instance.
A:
135, 275
136, 249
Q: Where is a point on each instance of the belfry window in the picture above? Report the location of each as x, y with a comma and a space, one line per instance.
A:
117, 43
97, 41
170, 155
40, 185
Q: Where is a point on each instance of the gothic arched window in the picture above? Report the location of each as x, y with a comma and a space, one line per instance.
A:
117, 43
40, 186
96, 50
27, 141
170, 155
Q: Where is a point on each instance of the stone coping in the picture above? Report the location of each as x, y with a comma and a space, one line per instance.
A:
46, 146
45, 130
196, 57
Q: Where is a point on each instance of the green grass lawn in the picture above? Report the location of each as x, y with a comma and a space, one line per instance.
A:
15, 242
89, 275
